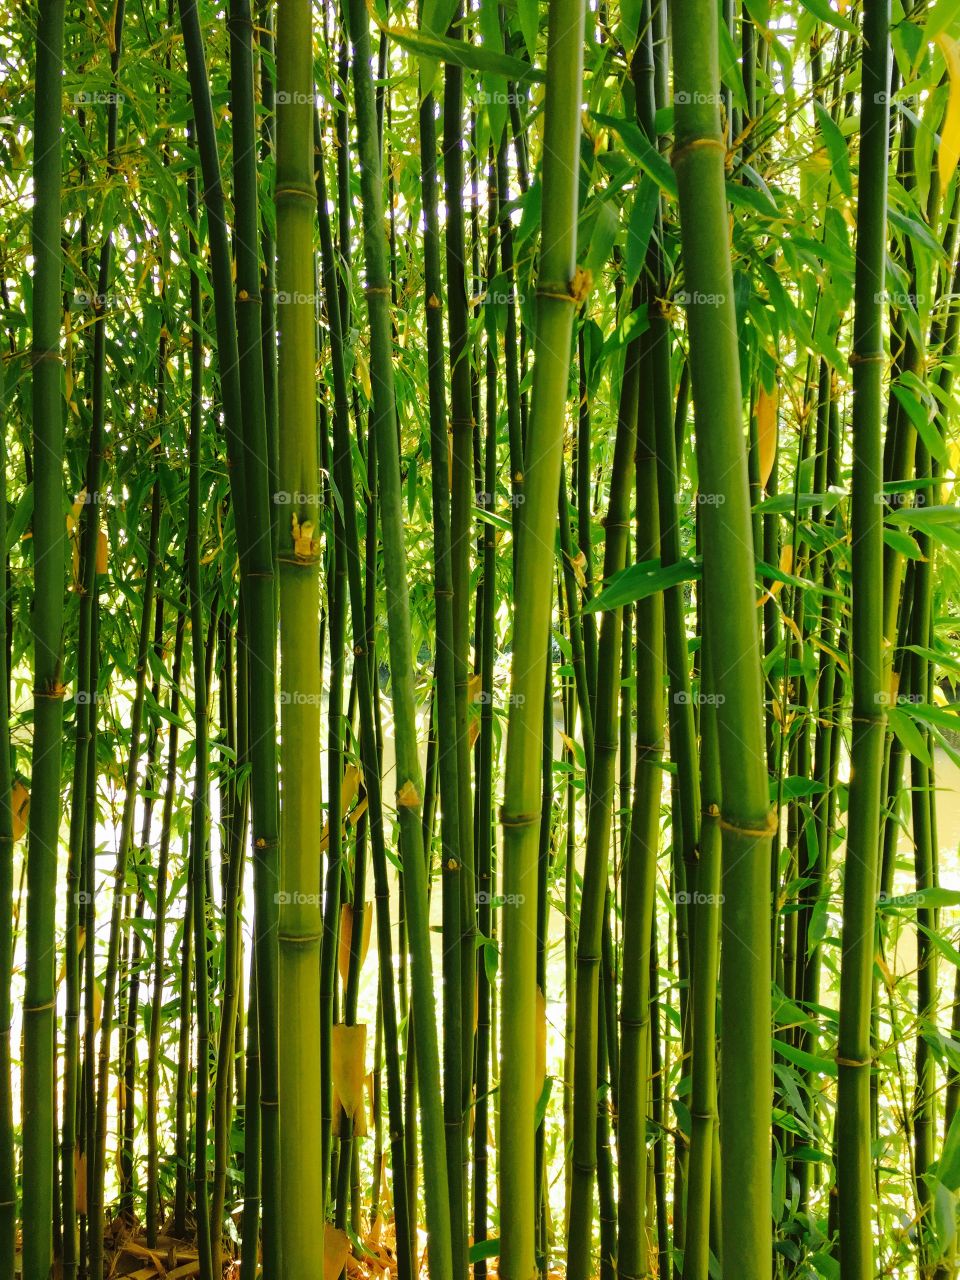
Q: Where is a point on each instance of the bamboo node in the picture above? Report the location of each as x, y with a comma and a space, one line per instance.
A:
757, 833
519, 820
372, 290
57, 691
867, 357
854, 1062
697, 144
38, 357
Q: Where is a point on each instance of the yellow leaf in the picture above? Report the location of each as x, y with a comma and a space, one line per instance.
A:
766, 412
540, 1049
335, 1247
363, 373
346, 937
949, 153
408, 797
103, 552
347, 1048
20, 808
305, 545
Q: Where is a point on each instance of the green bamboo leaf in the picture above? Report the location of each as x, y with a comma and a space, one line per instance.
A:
435, 20
650, 160
932, 897
730, 72
921, 415
917, 232
21, 517
485, 1249
948, 1166
640, 227
942, 17
800, 1057
472, 57
637, 581
909, 735
903, 543
821, 9
836, 146
529, 14
542, 1102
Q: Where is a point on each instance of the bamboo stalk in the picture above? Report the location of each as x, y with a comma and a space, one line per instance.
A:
409, 782
8, 1173
39, 1012
557, 295
854, 1057
301, 1173
729, 604
98, 1155
600, 789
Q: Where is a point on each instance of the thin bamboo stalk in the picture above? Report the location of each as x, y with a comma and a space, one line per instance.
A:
557, 296
854, 1056
729, 604
39, 1010
409, 782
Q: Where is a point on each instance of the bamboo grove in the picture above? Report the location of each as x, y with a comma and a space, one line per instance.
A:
479, 752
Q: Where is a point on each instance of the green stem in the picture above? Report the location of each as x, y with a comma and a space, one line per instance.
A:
729, 607
557, 292
39, 1004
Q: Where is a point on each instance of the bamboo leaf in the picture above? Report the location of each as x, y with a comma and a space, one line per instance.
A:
949, 153
637, 581
766, 415
909, 735
650, 160
837, 147
472, 57
529, 14
800, 1057
822, 9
